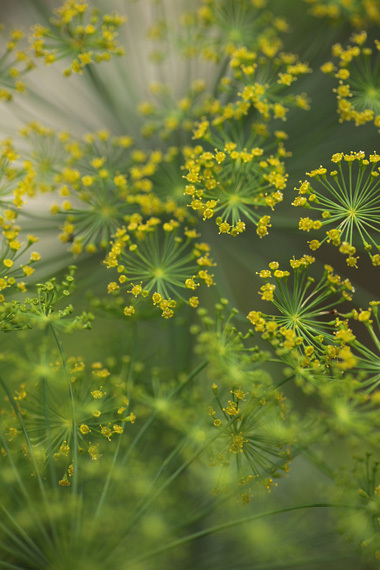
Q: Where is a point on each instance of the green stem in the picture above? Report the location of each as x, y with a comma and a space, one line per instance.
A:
231, 524
74, 422
374, 337
154, 495
76, 512
26, 548
53, 475
34, 462
117, 451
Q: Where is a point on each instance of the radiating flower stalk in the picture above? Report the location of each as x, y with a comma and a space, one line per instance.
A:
139, 412
159, 263
234, 179
216, 29
14, 64
366, 354
357, 71
307, 309
86, 38
348, 201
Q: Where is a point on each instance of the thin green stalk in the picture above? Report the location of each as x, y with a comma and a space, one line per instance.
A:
227, 525
74, 423
45, 396
172, 478
31, 452
117, 451
139, 436
153, 496
34, 551
76, 512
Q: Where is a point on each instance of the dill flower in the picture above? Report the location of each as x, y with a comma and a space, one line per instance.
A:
46, 153
357, 70
170, 117
231, 361
261, 79
231, 177
105, 181
216, 28
85, 37
56, 433
94, 414
359, 14
366, 353
160, 262
254, 438
348, 203
90, 222
14, 64
12, 271
306, 306
17, 180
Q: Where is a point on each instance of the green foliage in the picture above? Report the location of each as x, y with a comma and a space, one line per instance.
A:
144, 422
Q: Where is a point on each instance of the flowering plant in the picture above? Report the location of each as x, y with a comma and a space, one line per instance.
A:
189, 371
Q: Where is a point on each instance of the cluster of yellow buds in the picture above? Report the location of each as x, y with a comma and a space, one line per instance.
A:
14, 64
360, 14
233, 182
69, 34
352, 70
142, 254
12, 271
250, 72
333, 201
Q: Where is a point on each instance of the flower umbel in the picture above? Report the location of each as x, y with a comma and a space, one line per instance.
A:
349, 202
307, 307
72, 33
154, 261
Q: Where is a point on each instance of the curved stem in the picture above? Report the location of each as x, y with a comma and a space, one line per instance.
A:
230, 524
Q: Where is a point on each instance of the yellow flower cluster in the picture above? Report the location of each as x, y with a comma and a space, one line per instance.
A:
233, 182
251, 70
241, 415
358, 90
103, 180
154, 261
166, 115
87, 42
302, 306
360, 14
12, 272
215, 29
14, 64
345, 207
100, 415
